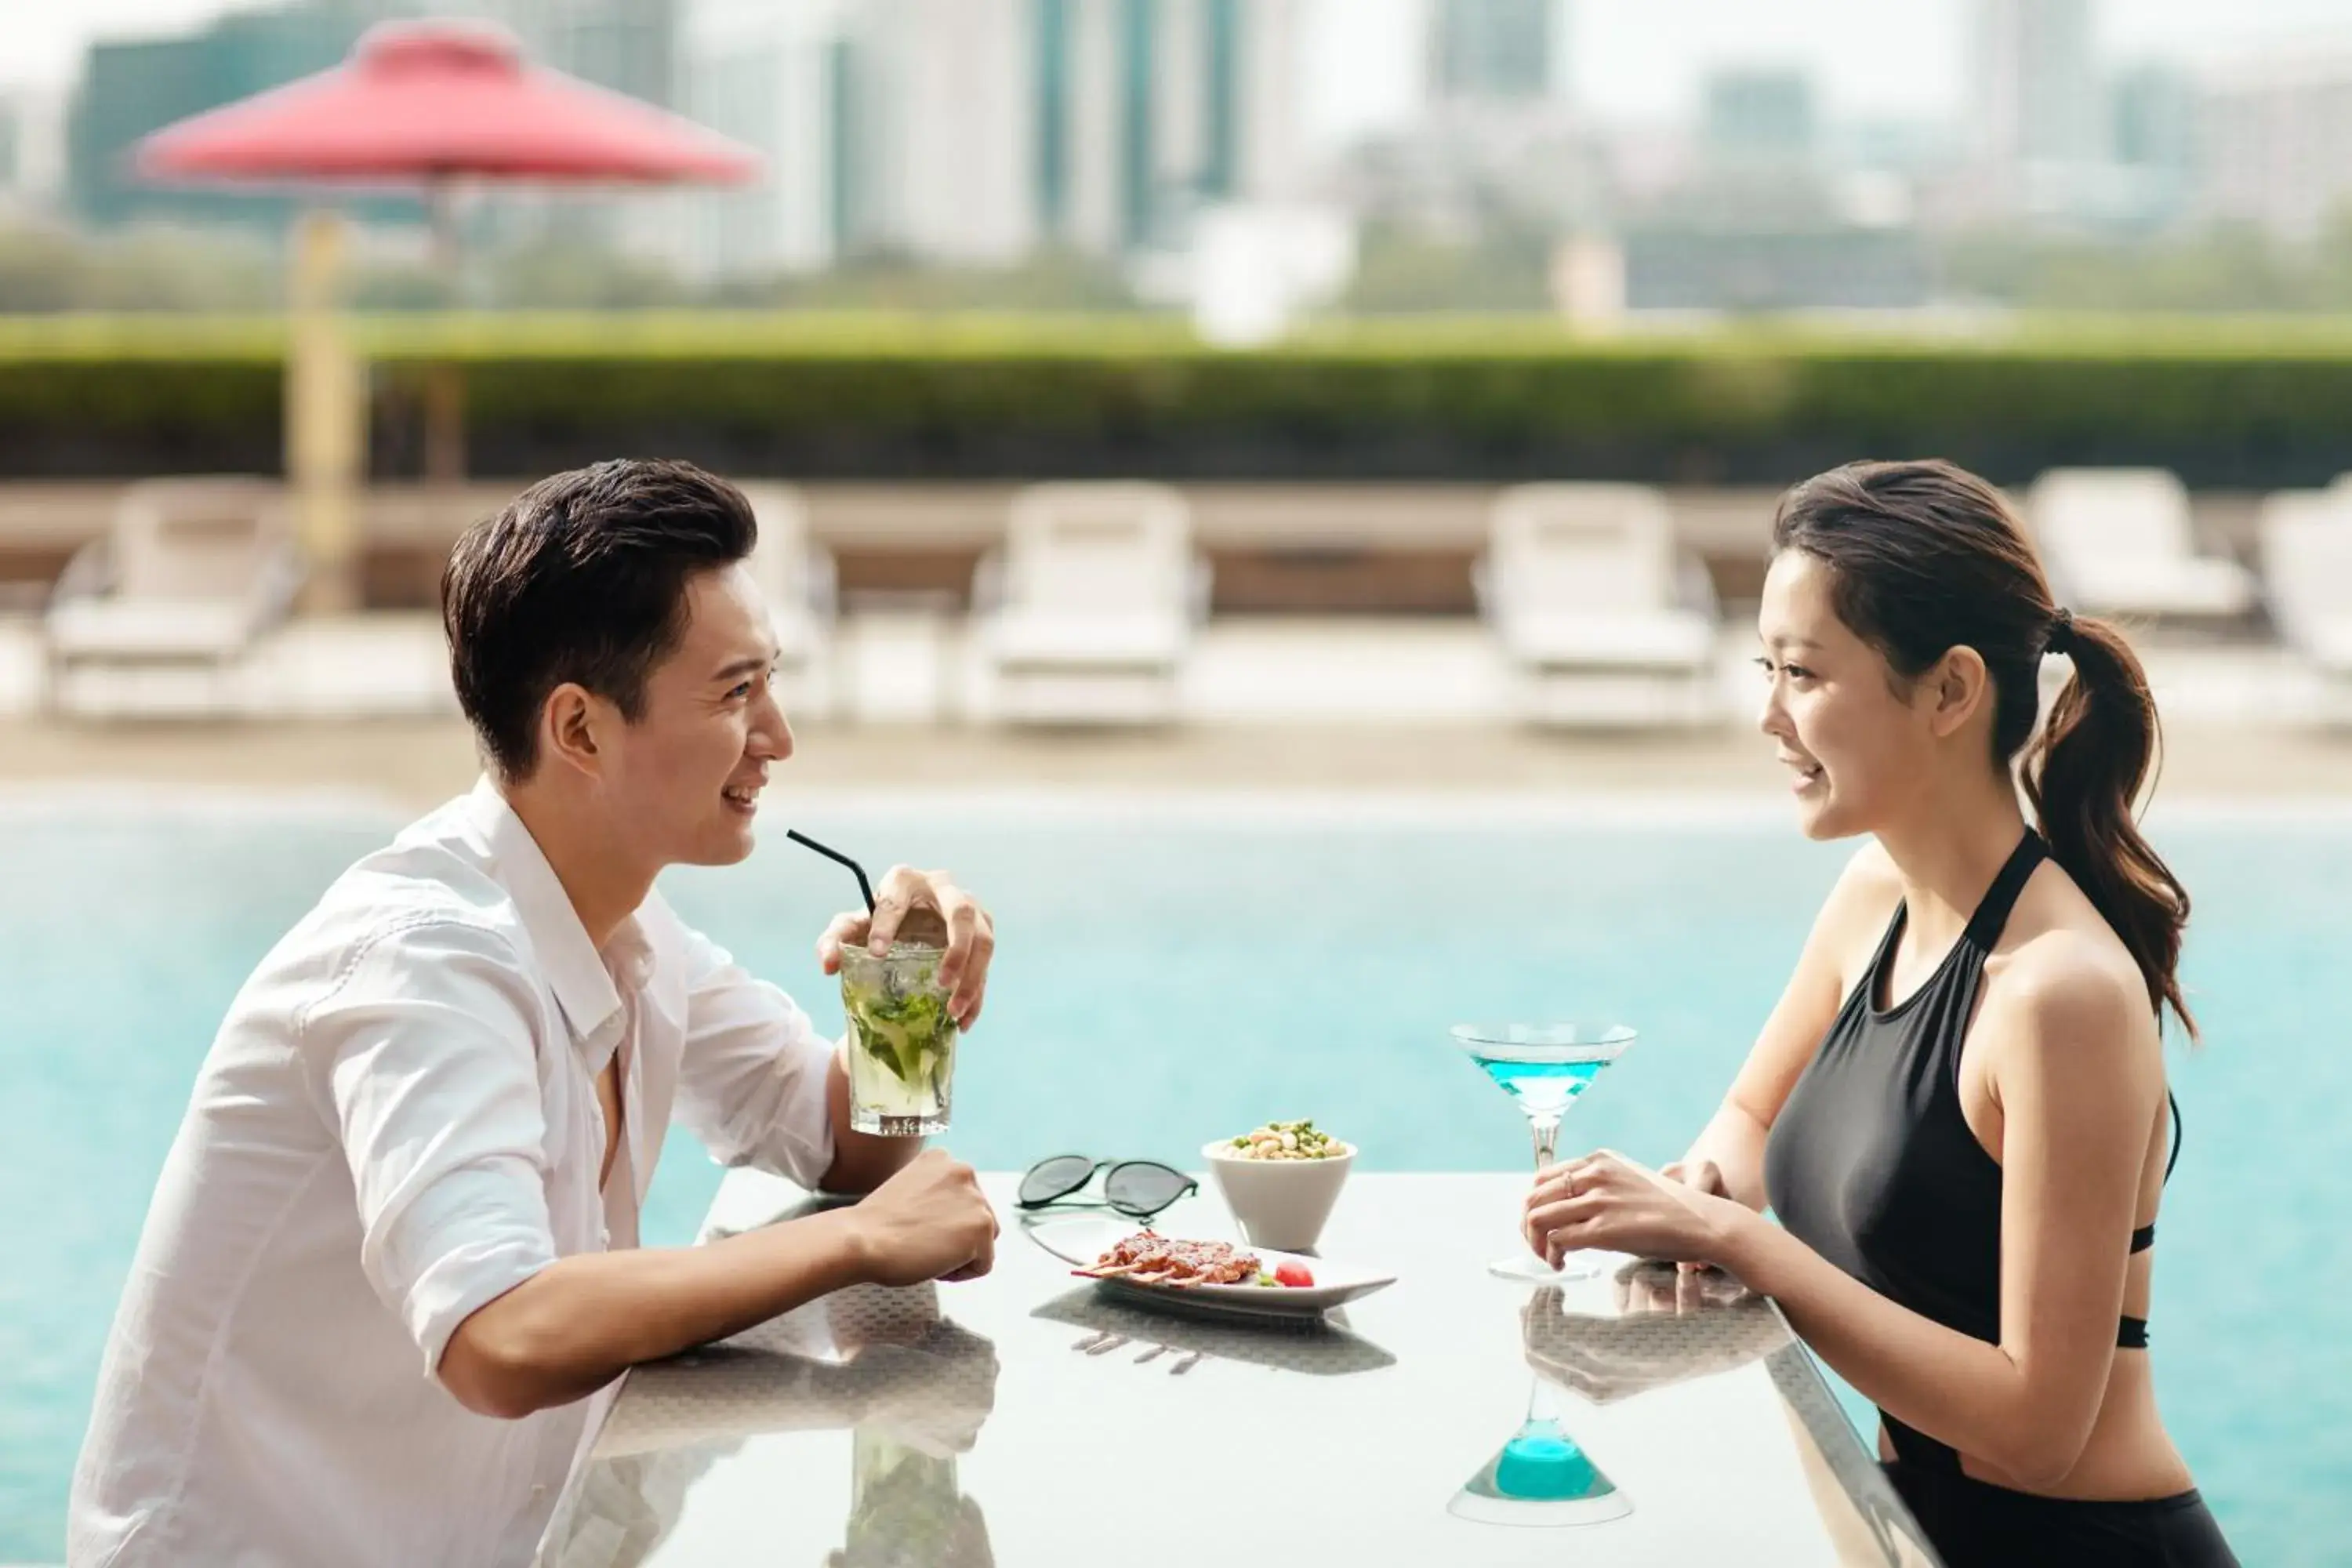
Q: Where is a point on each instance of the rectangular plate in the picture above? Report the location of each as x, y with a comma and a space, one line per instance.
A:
1078, 1242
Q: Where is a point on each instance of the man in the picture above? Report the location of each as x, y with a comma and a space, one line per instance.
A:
391, 1270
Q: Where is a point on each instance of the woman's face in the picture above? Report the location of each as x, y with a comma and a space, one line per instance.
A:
1856, 745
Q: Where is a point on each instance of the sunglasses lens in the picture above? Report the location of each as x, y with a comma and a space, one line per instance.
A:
1056, 1178
1142, 1187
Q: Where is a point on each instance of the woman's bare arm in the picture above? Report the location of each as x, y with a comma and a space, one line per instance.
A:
2078, 1077
1728, 1156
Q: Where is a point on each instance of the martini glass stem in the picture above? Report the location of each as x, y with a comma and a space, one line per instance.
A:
1546, 1135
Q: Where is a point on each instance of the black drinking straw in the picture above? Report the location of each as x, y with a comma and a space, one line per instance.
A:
864, 887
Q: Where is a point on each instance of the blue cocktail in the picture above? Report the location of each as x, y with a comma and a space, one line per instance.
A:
1541, 1477
1545, 1068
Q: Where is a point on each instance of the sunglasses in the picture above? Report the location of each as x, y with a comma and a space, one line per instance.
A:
1137, 1188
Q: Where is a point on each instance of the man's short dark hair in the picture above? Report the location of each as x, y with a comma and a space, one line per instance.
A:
581, 578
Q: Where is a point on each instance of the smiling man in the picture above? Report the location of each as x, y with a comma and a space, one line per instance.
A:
390, 1269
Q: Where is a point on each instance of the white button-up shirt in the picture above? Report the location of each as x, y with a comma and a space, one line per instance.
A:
397, 1123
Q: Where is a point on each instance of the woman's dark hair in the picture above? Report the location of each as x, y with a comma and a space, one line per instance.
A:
581, 578
1924, 557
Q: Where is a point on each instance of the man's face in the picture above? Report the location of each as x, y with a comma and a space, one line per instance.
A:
682, 782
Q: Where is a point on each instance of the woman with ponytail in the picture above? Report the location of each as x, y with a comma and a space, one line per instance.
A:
1958, 1109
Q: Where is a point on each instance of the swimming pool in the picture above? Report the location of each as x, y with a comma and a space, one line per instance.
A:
1172, 972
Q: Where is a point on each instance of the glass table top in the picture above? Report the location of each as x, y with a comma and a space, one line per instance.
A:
1032, 1418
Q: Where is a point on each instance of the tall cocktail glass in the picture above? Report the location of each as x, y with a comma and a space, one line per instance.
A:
1546, 1068
902, 1040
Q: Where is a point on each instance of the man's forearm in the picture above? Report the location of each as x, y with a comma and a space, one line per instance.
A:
861, 1162
582, 1320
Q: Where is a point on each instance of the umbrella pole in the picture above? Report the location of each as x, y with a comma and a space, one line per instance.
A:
325, 420
444, 384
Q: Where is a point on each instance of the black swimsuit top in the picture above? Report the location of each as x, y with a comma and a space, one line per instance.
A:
1872, 1163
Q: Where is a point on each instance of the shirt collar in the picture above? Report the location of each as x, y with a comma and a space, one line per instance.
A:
583, 987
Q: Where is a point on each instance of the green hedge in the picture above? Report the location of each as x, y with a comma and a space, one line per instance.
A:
2242, 404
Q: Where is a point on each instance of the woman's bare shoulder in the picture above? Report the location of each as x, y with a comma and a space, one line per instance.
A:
2061, 974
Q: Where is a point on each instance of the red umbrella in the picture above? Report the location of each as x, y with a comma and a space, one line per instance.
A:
420, 102
431, 103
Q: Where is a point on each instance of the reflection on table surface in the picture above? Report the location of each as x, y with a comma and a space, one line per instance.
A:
1031, 1418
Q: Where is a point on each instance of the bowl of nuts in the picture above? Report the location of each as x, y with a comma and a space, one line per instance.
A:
1280, 1179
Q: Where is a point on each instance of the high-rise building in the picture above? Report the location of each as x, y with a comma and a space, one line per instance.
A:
979, 130
2152, 119
1492, 52
2036, 104
1147, 110
1759, 115
773, 78
2275, 144
629, 45
132, 87
932, 148
2152, 140
33, 166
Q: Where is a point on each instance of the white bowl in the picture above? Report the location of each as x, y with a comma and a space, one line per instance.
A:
1280, 1205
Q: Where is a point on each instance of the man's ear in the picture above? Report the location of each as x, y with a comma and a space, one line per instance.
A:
571, 723
1956, 687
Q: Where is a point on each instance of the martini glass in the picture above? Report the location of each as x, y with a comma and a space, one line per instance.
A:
1545, 1068
1540, 1477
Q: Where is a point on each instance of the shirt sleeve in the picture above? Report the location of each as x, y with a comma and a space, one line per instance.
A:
428, 1051
752, 1084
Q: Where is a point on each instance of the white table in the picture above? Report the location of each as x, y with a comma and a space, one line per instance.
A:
1032, 1418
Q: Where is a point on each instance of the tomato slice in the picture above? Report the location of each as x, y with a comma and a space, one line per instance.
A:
1293, 1274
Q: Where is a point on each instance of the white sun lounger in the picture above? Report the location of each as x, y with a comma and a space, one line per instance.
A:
1088, 614
159, 616
1600, 619
2307, 545
796, 577
2117, 542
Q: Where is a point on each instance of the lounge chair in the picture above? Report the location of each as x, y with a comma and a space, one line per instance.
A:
1601, 620
1088, 614
2306, 545
796, 576
2117, 542
159, 615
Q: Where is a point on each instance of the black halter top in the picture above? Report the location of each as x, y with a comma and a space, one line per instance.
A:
1872, 1163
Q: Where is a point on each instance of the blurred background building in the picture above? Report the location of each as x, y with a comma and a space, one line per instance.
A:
1068, 150
2277, 142
980, 131
1492, 53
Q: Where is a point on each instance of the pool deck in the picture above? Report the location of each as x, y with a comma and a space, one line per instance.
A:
1325, 705
412, 764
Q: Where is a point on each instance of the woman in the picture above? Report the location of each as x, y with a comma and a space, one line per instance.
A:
1958, 1109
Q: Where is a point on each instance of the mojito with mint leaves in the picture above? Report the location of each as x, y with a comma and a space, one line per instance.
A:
901, 1040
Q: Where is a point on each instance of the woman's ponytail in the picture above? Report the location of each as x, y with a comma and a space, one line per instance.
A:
2085, 773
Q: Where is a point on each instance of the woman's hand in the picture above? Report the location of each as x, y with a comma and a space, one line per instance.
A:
926, 906
1702, 1175
1607, 1203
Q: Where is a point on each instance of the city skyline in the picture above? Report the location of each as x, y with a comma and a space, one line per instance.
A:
1867, 60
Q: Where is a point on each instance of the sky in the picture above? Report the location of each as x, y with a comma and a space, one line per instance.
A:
1626, 59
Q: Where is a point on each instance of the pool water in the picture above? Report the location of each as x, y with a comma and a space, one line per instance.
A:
1168, 976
